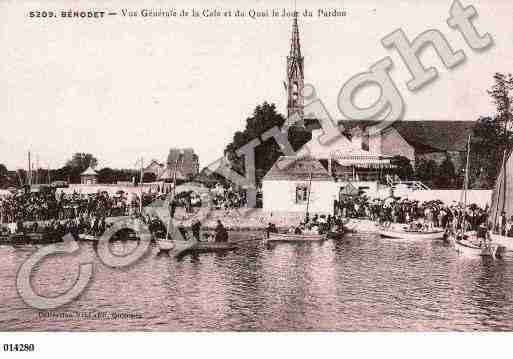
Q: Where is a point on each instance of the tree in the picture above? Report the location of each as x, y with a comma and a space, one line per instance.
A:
403, 167
500, 92
75, 166
3, 170
426, 170
5, 180
264, 117
446, 174
488, 144
81, 161
107, 175
110, 175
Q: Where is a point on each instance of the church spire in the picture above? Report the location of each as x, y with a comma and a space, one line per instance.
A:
295, 75
295, 46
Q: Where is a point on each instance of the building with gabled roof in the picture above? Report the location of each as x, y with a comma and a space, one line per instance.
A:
168, 175
417, 140
89, 176
293, 183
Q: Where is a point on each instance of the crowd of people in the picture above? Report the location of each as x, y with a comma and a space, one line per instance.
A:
224, 197
52, 211
432, 214
87, 213
57, 212
317, 224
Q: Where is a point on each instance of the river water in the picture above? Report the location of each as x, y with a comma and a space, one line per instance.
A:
360, 283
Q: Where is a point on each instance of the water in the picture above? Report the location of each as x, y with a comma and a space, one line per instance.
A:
361, 283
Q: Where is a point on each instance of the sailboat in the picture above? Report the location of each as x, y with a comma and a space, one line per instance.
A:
502, 201
468, 243
305, 235
177, 246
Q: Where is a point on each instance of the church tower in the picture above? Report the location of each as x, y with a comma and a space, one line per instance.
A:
295, 75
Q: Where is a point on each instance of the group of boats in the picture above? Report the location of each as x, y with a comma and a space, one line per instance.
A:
471, 243
29, 238
483, 244
468, 243
486, 244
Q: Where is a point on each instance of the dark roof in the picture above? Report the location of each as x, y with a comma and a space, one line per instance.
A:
293, 168
428, 136
168, 175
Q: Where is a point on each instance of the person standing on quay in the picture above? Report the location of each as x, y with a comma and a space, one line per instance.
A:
502, 224
221, 232
196, 229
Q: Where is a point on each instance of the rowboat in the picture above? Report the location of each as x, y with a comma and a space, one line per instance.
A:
469, 243
177, 247
204, 247
33, 238
87, 237
404, 234
335, 234
471, 248
291, 237
507, 242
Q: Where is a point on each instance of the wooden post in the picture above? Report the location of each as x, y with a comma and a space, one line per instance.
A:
141, 188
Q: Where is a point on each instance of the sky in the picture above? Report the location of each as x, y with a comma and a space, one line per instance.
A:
124, 88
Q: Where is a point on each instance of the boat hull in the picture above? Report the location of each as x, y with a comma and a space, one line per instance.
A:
289, 237
411, 235
176, 247
87, 237
335, 235
32, 238
468, 249
507, 242
205, 247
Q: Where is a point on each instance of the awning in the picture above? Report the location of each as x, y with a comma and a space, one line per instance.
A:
362, 159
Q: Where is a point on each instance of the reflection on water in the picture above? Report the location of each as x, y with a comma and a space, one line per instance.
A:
361, 283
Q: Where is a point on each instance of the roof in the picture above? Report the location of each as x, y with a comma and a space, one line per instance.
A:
154, 162
294, 168
89, 172
427, 136
168, 175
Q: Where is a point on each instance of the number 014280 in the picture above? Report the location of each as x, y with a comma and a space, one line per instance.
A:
18, 347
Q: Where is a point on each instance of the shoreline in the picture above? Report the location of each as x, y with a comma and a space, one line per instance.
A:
243, 224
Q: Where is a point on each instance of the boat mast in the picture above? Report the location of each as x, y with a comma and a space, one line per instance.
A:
36, 181
467, 170
308, 196
171, 200
504, 179
29, 179
500, 186
141, 188
465, 183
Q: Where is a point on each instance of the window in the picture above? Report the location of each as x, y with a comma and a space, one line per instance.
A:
301, 193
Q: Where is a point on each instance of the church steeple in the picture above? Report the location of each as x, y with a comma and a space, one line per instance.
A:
295, 75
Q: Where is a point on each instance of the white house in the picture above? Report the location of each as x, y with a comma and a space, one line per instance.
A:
330, 168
